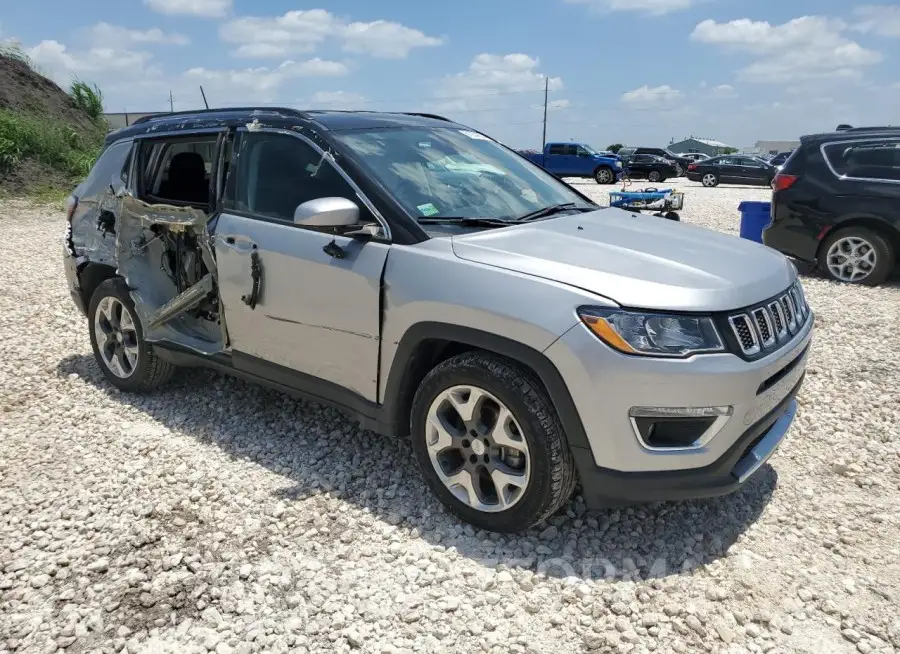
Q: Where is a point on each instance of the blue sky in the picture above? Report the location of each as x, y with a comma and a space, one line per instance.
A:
640, 72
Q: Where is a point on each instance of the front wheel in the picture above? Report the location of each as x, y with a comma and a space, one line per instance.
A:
117, 339
605, 175
655, 176
857, 255
710, 180
489, 443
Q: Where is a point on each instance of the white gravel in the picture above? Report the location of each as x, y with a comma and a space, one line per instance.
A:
217, 516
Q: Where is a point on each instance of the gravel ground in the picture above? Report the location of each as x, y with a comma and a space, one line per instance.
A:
218, 516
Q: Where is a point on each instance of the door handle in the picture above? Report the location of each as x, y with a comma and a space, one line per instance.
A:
242, 245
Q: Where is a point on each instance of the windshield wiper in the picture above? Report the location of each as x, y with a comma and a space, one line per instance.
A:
552, 209
469, 221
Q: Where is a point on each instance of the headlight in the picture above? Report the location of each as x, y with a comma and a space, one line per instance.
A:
652, 334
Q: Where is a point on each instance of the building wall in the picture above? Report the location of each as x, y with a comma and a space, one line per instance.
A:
119, 120
774, 147
693, 145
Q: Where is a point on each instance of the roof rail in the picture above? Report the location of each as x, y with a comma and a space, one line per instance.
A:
880, 128
426, 115
280, 110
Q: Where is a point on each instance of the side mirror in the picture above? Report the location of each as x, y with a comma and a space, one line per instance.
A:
327, 212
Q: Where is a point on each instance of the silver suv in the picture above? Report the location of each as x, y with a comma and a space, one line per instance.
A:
443, 290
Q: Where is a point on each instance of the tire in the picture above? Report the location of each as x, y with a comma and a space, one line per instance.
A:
605, 175
672, 215
132, 365
868, 257
679, 171
709, 180
655, 176
540, 454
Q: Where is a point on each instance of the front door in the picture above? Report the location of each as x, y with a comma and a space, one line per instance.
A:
314, 314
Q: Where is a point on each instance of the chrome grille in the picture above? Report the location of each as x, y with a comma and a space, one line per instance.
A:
745, 333
766, 327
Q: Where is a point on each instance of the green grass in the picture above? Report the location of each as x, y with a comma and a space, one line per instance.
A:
13, 50
56, 145
87, 98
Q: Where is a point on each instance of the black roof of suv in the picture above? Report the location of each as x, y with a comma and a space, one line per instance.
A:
329, 120
836, 202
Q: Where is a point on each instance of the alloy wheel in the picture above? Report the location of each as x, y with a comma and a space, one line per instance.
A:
851, 259
709, 179
604, 176
477, 448
116, 336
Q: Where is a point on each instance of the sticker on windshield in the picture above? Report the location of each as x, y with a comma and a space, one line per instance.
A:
427, 209
474, 135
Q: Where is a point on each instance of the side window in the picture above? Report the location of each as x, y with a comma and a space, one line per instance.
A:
581, 152
571, 150
112, 162
275, 173
177, 171
869, 160
557, 148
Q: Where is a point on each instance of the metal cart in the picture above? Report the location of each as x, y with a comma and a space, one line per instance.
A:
664, 202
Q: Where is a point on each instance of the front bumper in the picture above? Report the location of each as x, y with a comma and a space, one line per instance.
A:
614, 465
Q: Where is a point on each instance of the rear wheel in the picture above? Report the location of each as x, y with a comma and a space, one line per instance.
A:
857, 255
117, 339
489, 443
655, 176
605, 175
709, 180
679, 171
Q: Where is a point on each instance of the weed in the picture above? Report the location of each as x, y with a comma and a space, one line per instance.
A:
88, 99
54, 144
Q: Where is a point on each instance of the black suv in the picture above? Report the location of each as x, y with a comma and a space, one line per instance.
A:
836, 202
680, 163
655, 169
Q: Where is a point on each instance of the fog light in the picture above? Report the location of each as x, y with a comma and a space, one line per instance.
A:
674, 428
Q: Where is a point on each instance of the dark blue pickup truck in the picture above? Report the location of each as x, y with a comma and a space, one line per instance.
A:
576, 160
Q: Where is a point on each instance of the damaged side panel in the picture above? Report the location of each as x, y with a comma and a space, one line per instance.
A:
164, 254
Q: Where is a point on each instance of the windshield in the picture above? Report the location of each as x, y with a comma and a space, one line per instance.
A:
443, 171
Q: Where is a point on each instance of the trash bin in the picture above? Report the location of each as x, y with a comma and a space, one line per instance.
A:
754, 217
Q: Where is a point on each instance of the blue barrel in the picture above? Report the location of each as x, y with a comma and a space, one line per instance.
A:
754, 218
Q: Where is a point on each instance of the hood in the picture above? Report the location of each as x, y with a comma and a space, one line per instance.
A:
636, 260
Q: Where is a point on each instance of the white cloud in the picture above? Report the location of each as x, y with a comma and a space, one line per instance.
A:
810, 47
304, 30
385, 39
655, 96
60, 63
883, 20
723, 92
262, 82
491, 74
104, 33
649, 7
203, 8
336, 100
295, 31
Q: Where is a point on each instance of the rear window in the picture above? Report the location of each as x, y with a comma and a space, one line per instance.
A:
865, 159
112, 163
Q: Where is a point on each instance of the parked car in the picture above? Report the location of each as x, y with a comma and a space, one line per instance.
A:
694, 156
648, 166
681, 163
576, 160
836, 202
731, 169
780, 158
517, 336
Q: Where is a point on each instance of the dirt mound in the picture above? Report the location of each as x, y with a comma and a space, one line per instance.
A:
24, 90
46, 141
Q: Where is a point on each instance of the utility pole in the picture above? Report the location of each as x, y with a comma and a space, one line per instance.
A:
171, 103
544, 144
